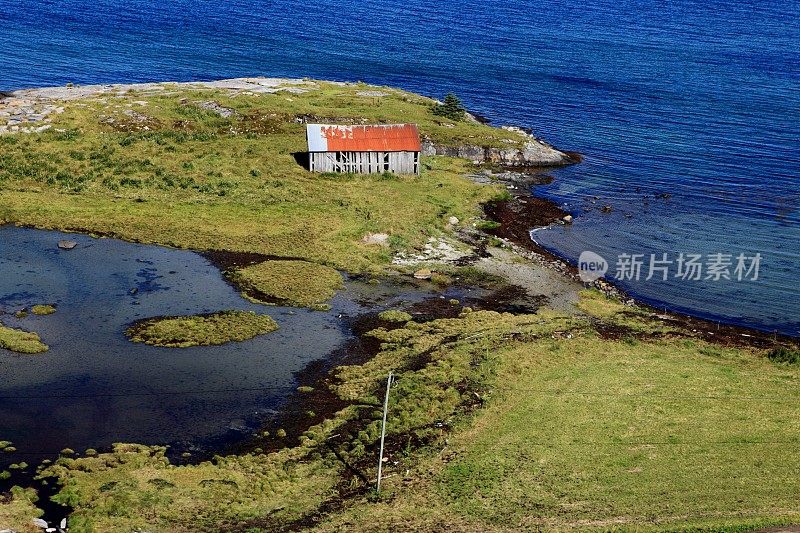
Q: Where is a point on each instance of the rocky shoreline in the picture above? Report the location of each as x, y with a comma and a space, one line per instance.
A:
523, 211
534, 153
30, 110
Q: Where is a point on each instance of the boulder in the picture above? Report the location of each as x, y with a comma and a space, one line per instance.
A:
423, 273
67, 245
379, 239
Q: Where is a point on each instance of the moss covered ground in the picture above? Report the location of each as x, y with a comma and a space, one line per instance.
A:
201, 330
18, 509
394, 315
20, 341
43, 309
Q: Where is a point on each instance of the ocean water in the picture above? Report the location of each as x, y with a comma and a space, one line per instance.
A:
687, 112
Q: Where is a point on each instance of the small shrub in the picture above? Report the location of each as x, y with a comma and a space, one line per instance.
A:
487, 225
451, 108
130, 182
502, 196
784, 355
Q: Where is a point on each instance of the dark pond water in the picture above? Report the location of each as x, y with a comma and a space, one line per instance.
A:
94, 387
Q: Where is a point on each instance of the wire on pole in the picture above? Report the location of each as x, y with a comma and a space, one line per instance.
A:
383, 433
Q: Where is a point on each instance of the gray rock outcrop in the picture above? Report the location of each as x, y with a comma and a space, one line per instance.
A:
533, 152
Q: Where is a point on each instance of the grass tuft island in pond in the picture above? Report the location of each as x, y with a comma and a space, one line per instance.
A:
20, 341
201, 330
298, 283
603, 417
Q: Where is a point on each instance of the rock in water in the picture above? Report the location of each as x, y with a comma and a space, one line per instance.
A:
567, 219
67, 245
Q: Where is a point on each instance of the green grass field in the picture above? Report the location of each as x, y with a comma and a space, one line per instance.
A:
595, 435
499, 422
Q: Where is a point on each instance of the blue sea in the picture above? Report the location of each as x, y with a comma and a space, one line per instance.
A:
687, 112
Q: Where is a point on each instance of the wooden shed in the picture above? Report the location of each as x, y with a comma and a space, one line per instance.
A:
363, 149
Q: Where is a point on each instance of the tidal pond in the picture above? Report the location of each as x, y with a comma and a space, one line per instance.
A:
94, 387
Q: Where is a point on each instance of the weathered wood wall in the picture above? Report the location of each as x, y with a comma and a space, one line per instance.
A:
365, 162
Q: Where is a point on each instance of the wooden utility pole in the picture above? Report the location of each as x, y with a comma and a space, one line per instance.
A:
383, 432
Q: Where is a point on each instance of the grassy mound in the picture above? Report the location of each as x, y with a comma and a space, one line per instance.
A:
298, 283
21, 341
394, 315
43, 309
201, 330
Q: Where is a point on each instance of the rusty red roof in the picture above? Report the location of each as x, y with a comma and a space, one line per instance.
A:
378, 138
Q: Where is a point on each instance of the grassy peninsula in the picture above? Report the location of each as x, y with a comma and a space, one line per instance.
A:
605, 417
213, 169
